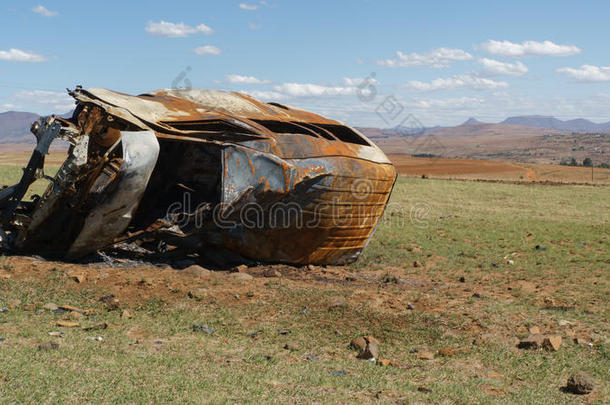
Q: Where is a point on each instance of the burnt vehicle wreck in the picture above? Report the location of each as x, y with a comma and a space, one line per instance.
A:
203, 172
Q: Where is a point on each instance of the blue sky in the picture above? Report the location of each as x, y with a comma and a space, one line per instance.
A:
356, 61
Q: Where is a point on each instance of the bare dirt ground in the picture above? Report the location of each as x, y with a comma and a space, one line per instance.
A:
469, 169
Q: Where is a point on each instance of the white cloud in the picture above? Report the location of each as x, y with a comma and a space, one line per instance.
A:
246, 79
43, 11
246, 6
9, 107
528, 48
266, 95
438, 58
44, 101
18, 55
449, 103
313, 90
207, 50
359, 81
466, 81
495, 67
587, 73
172, 30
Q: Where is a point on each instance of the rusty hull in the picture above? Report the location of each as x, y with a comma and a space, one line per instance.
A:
205, 172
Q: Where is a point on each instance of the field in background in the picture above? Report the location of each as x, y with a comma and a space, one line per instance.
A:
453, 264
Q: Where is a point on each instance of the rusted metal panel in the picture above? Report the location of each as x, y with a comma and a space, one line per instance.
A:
258, 181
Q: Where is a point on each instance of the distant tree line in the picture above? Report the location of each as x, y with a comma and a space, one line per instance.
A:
587, 162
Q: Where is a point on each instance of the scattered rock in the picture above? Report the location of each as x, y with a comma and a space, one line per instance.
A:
291, 346
552, 343
358, 344
241, 276
416, 264
581, 341
97, 326
78, 277
48, 346
67, 324
126, 314
50, 306
563, 322
29, 307
580, 383
384, 362
446, 352
531, 342
538, 247
534, 330
56, 334
196, 271
421, 388
510, 261
272, 273
95, 338
425, 355
111, 302
71, 308
12, 304
284, 331
410, 307
462, 279
203, 328
370, 352
311, 357
311, 267
240, 269
339, 373
2, 339
199, 293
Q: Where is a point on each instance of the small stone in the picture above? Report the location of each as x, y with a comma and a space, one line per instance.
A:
29, 307
12, 304
198, 293
339, 373
241, 276
310, 357
510, 261
358, 344
446, 352
291, 346
196, 271
48, 346
240, 269
272, 273
462, 279
580, 383
50, 306
111, 302
71, 308
384, 362
416, 264
534, 330
78, 277
67, 324
311, 267
421, 388
97, 326
284, 331
552, 343
126, 314
203, 328
425, 355
563, 322
371, 351
95, 338
410, 307
531, 342
56, 334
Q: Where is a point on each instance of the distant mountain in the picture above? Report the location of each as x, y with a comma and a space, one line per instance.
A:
15, 127
576, 125
472, 121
